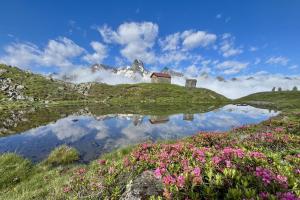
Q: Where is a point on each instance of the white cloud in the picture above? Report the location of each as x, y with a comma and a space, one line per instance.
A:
279, 60
171, 42
294, 67
193, 39
83, 75
57, 53
21, 54
173, 57
136, 39
192, 71
257, 61
231, 67
227, 48
99, 54
195, 70
245, 85
187, 40
175, 47
241, 86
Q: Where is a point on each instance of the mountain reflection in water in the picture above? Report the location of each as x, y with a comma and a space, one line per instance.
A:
94, 135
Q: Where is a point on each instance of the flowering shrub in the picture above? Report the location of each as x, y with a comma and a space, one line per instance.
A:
242, 164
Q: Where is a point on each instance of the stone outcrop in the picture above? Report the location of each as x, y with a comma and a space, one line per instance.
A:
11, 90
82, 88
12, 120
144, 186
2, 71
138, 66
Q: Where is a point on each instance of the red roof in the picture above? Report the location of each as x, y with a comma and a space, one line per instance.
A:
160, 75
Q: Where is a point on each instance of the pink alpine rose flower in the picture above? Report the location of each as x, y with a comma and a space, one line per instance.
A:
216, 160
196, 171
168, 180
157, 173
180, 181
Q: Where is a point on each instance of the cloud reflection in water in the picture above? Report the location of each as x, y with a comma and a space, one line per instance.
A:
94, 135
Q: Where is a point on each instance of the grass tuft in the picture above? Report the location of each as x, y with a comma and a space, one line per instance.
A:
62, 155
13, 169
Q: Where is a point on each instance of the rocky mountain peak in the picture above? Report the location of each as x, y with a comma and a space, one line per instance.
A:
138, 66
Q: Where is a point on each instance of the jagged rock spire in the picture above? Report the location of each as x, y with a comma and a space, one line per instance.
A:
137, 66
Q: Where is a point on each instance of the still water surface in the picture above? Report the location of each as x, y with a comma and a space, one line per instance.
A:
95, 135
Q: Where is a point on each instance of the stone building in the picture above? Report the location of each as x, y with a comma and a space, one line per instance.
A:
160, 78
190, 83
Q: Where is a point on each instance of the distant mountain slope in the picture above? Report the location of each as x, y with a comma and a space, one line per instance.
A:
287, 99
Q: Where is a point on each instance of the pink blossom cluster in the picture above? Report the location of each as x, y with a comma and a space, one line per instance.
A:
268, 176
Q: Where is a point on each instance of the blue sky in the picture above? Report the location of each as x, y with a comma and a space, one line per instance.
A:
228, 38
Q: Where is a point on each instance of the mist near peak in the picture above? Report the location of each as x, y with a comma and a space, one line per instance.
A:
232, 88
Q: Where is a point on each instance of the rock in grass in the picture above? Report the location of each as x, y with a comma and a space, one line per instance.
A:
2, 71
62, 155
144, 186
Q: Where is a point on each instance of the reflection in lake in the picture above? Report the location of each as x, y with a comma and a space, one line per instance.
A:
94, 135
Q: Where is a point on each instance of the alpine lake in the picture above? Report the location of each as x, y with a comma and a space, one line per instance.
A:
94, 130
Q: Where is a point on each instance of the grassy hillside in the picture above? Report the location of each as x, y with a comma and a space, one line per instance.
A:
284, 99
42, 88
37, 86
153, 93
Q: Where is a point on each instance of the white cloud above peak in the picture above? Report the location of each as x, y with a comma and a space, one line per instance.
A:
171, 42
58, 52
227, 46
193, 39
187, 40
136, 39
99, 54
232, 67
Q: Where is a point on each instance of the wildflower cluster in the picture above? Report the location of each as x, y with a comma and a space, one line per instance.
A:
252, 165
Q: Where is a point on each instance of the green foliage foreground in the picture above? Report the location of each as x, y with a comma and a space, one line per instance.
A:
251, 162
